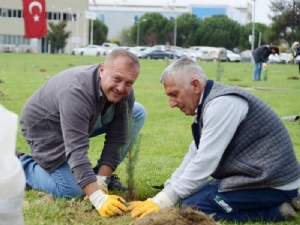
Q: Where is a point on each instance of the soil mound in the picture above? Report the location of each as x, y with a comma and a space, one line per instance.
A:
176, 216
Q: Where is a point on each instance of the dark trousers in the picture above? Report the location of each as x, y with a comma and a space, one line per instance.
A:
240, 206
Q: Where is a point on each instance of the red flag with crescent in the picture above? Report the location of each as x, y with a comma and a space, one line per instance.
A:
35, 16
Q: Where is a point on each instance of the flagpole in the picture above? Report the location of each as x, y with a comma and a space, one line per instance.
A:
92, 30
84, 36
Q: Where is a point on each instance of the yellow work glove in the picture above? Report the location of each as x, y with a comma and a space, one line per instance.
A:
159, 201
102, 185
108, 205
265, 66
141, 209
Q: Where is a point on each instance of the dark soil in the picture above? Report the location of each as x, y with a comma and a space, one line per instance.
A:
176, 216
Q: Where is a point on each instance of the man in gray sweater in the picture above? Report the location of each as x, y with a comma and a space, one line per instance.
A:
60, 117
239, 141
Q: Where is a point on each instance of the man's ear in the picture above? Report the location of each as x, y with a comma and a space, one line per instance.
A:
101, 67
196, 85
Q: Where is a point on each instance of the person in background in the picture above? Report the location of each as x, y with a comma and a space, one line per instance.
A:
239, 141
261, 55
296, 50
58, 120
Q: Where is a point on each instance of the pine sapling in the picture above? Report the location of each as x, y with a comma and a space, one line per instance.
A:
130, 150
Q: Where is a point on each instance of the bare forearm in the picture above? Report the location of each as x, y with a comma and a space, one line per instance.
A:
90, 188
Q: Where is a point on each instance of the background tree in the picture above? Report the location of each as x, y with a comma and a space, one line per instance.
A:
126, 38
57, 35
285, 21
187, 25
152, 31
247, 30
99, 33
218, 31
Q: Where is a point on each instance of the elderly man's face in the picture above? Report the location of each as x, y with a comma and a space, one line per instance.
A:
117, 79
186, 98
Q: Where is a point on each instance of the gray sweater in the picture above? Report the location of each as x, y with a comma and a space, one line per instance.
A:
57, 119
261, 152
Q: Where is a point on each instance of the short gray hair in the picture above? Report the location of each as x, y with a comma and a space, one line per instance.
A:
120, 52
183, 70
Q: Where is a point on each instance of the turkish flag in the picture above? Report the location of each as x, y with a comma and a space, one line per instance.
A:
35, 18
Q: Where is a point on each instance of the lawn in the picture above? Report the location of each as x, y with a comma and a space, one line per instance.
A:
166, 134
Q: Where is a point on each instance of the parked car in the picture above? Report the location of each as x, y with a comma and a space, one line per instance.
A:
212, 54
273, 59
177, 53
112, 48
297, 60
153, 53
232, 57
285, 58
246, 56
92, 50
137, 50
222, 54
107, 46
190, 53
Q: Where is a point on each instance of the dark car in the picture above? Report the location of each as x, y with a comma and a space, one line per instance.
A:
178, 54
154, 54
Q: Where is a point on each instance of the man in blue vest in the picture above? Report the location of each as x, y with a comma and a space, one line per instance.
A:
239, 141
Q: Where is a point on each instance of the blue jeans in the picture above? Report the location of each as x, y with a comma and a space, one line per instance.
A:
62, 182
257, 70
239, 206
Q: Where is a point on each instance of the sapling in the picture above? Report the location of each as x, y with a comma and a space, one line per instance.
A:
132, 148
219, 71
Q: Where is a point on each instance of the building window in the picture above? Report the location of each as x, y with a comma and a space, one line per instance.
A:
20, 13
9, 13
101, 18
4, 12
49, 15
14, 13
55, 17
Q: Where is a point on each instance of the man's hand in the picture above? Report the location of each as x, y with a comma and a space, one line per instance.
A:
108, 205
102, 185
161, 200
142, 208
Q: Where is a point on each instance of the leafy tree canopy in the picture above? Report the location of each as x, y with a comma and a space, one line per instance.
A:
57, 35
100, 31
218, 31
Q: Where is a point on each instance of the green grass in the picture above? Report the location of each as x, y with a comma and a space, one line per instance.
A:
166, 134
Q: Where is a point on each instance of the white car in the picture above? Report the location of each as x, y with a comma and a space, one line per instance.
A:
137, 50
232, 57
273, 58
123, 47
92, 50
190, 53
286, 58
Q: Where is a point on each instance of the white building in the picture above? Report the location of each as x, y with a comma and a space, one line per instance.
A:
121, 14
12, 25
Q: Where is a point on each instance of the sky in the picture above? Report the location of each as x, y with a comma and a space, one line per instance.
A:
262, 10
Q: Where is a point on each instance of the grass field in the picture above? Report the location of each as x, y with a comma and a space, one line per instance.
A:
166, 134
